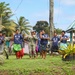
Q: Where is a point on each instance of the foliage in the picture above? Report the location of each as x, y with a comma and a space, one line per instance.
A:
41, 25
70, 50
5, 15
58, 30
23, 25
9, 29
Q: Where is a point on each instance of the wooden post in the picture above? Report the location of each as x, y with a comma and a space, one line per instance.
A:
71, 37
51, 14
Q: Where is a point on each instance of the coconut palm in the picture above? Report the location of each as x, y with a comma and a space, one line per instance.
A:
9, 29
23, 25
5, 22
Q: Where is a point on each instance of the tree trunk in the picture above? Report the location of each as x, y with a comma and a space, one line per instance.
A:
51, 14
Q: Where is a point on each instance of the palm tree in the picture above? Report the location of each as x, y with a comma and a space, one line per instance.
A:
23, 25
5, 22
9, 29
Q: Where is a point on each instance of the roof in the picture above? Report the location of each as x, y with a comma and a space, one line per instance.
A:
71, 27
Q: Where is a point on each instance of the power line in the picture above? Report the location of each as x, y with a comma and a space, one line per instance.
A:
18, 6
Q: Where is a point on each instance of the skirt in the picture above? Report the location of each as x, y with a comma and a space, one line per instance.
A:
43, 47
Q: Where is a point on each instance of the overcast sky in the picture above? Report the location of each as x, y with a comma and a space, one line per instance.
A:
35, 10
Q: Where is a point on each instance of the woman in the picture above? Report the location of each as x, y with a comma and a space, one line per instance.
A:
63, 41
32, 45
43, 43
18, 40
55, 41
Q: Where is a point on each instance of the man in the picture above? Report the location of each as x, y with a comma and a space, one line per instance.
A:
55, 41
43, 43
1, 42
18, 40
63, 40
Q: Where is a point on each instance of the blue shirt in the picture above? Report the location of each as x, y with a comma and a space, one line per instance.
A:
44, 41
1, 39
55, 40
18, 39
64, 41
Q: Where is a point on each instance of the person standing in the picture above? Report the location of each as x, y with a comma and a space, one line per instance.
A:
63, 40
1, 42
55, 41
18, 40
43, 43
32, 45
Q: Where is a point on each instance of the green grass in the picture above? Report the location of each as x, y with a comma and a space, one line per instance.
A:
52, 65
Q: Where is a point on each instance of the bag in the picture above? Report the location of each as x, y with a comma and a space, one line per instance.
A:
16, 47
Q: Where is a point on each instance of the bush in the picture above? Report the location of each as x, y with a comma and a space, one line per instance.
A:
69, 50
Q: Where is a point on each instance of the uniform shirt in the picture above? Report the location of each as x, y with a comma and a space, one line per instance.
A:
44, 41
1, 40
18, 39
55, 40
64, 41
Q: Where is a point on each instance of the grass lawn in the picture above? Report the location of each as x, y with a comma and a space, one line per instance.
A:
52, 65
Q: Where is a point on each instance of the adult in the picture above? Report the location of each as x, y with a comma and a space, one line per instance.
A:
63, 40
1, 42
43, 43
18, 41
32, 45
55, 41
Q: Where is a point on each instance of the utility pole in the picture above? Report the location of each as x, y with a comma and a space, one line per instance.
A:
51, 15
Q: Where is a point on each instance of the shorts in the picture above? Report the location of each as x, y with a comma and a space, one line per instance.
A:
54, 49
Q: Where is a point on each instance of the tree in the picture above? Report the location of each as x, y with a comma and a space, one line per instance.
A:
47, 30
58, 31
9, 29
23, 25
5, 22
40, 25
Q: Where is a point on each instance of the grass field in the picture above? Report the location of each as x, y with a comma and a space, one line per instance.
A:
52, 65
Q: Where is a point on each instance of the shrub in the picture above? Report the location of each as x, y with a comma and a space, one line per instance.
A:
69, 50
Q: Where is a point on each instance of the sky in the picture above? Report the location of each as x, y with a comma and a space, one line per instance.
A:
36, 10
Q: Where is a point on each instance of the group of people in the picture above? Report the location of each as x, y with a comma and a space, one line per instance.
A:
59, 42
35, 43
